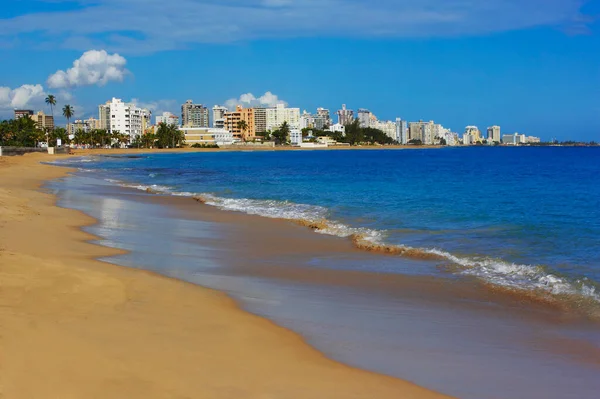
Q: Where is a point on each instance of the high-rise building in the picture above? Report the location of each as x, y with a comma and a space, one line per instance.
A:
219, 116
168, 119
307, 120
401, 131
276, 116
345, 116
44, 122
233, 119
260, 120
323, 116
422, 131
19, 113
474, 131
364, 117
126, 118
493, 134
194, 115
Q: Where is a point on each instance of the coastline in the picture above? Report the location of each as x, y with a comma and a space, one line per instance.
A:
77, 326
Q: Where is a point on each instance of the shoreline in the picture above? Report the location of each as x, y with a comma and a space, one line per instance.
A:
78, 326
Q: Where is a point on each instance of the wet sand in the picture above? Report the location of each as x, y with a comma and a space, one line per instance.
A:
374, 311
72, 326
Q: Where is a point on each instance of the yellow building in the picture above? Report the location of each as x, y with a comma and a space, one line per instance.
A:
44, 122
232, 120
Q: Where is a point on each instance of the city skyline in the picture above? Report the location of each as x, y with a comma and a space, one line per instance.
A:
538, 76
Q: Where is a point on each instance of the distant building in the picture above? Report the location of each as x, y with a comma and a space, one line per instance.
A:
168, 119
43, 121
322, 119
307, 120
514, 139
532, 139
85, 126
345, 116
472, 135
207, 136
422, 131
493, 134
276, 116
260, 120
364, 117
218, 120
232, 123
401, 131
194, 115
295, 136
19, 113
338, 127
126, 118
387, 127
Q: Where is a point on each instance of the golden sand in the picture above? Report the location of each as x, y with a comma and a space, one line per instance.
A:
74, 327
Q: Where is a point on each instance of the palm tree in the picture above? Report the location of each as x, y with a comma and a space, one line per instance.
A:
243, 126
51, 101
68, 113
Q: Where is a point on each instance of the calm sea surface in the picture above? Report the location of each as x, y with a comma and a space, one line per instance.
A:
524, 218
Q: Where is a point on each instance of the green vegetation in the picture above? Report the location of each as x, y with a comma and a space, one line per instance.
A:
22, 132
198, 145
282, 135
169, 136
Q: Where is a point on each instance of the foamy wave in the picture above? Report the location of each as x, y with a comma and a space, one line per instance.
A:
524, 278
519, 276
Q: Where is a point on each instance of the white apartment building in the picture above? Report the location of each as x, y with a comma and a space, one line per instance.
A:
168, 119
493, 134
218, 120
401, 131
126, 118
307, 120
295, 136
276, 116
387, 127
366, 118
338, 127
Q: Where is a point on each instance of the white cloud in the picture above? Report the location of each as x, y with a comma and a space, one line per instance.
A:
249, 100
26, 96
123, 25
92, 68
158, 106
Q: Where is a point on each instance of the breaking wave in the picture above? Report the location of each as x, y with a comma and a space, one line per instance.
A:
533, 280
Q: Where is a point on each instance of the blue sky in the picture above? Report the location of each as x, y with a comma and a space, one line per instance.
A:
532, 66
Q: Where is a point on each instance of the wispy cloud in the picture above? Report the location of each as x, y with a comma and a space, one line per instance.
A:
144, 26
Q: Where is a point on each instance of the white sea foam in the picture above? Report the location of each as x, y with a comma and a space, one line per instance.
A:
494, 271
519, 276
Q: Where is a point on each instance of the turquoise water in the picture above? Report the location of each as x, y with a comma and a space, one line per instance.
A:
523, 218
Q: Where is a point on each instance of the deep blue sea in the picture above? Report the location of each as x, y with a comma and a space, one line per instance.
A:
523, 218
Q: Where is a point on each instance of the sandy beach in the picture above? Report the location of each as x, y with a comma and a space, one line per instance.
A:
74, 327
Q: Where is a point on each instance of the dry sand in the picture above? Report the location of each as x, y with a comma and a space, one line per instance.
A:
74, 327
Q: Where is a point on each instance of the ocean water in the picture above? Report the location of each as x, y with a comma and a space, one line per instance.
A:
525, 219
